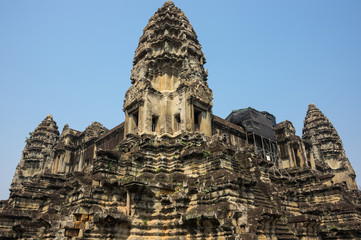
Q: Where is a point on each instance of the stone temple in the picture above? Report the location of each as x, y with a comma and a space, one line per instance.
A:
173, 170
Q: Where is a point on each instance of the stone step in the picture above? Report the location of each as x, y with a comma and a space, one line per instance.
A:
260, 199
283, 232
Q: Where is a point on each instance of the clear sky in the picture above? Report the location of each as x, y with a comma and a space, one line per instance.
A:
72, 59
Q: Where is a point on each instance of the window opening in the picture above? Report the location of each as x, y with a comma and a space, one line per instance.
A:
177, 122
298, 160
197, 119
154, 123
135, 117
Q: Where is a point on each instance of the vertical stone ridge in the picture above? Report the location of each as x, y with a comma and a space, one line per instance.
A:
37, 152
327, 146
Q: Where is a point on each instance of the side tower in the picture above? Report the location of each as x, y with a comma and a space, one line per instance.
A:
38, 152
326, 146
170, 93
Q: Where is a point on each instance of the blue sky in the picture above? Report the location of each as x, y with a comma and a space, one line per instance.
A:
72, 59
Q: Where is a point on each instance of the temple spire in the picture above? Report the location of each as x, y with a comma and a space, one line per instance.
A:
320, 131
327, 146
169, 92
169, 45
37, 151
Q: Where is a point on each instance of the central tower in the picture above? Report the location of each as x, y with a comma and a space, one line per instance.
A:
169, 92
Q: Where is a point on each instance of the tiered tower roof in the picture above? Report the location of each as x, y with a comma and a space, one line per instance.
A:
322, 134
168, 45
43, 137
327, 146
38, 148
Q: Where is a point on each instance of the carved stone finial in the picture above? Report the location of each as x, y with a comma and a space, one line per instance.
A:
66, 126
168, 3
95, 129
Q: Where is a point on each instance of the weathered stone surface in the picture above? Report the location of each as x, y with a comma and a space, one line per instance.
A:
180, 177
